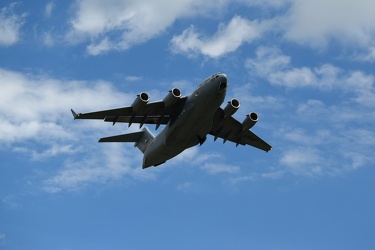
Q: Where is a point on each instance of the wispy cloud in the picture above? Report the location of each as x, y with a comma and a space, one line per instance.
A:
10, 25
187, 186
302, 161
210, 162
53, 150
48, 10
273, 65
11, 202
218, 168
2, 238
318, 134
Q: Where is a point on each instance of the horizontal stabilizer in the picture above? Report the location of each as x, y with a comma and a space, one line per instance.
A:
141, 139
132, 137
74, 114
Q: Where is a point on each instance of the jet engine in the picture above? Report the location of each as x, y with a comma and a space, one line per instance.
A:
231, 107
249, 121
172, 97
140, 101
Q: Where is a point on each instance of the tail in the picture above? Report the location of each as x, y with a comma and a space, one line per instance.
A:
141, 139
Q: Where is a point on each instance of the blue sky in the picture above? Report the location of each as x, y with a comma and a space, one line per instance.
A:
306, 67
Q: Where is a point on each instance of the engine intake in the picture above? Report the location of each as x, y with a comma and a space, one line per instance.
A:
172, 97
140, 101
231, 107
250, 121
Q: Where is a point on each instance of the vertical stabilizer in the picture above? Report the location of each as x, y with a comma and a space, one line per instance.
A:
144, 140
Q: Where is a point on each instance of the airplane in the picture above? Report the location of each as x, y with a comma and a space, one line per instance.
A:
187, 119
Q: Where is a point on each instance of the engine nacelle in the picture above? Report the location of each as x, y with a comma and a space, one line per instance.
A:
140, 101
249, 121
231, 107
172, 97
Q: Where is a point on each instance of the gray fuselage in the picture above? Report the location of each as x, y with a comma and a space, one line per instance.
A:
192, 124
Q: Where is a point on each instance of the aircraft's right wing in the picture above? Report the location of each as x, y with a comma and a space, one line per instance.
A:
230, 129
151, 113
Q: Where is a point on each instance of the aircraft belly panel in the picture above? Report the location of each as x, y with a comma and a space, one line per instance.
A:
160, 153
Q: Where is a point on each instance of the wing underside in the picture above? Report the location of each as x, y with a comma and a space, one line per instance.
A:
229, 129
151, 113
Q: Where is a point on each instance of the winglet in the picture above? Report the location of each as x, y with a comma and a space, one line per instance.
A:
74, 114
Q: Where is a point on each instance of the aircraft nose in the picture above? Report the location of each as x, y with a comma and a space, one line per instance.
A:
223, 78
223, 82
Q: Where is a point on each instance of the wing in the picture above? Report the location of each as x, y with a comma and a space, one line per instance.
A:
151, 113
230, 129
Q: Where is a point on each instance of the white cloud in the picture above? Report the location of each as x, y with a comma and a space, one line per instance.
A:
227, 39
313, 23
10, 25
38, 106
46, 95
320, 23
110, 164
120, 24
276, 67
35, 120
317, 22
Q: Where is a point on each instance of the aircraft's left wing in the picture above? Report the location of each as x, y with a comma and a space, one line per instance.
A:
232, 130
151, 113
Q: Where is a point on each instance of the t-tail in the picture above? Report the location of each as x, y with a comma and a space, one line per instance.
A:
141, 139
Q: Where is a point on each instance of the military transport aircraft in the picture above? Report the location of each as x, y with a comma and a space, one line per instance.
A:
188, 120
